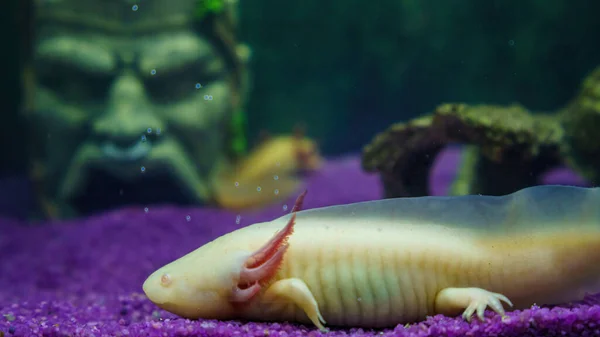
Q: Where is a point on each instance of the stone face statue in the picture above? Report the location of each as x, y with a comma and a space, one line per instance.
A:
134, 103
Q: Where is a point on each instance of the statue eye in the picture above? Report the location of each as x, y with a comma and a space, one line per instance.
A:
165, 280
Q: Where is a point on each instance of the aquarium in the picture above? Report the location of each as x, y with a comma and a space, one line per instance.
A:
264, 168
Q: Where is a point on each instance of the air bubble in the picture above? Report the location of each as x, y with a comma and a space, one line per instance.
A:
188, 218
511, 42
153, 72
238, 218
143, 138
276, 177
149, 130
145, 209
208, 97
134, 8
143, 169
237, 184
198, 85
276, 191
285, 207
258, 189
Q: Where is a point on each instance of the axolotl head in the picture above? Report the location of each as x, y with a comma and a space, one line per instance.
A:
219, 278
200, 284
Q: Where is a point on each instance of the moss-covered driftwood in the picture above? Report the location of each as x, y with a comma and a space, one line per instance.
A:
508, 147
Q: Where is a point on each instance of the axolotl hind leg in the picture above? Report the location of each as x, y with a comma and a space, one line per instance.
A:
451, 301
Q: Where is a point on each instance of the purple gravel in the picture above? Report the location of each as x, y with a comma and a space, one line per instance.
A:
83, 277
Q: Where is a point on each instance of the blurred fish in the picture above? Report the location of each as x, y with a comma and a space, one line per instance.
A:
273, 171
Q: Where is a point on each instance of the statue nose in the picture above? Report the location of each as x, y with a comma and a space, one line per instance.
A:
128, 127
128, 114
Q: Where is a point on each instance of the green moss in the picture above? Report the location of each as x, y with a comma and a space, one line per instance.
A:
581, 119
207, 7
463, 183
239, 145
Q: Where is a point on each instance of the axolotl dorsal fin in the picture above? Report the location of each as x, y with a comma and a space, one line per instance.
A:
527, 210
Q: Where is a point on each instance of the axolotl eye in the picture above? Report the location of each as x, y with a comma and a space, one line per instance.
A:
165, 280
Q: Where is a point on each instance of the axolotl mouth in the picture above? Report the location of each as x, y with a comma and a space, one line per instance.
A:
102, 177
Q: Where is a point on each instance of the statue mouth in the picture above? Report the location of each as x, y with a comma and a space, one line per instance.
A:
104, 177
137, 151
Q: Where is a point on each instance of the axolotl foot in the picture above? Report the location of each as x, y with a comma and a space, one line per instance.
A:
471, 300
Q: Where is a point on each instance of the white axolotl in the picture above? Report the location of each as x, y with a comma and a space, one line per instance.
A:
381, 263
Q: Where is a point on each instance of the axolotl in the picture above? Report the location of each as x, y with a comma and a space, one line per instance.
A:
380, 263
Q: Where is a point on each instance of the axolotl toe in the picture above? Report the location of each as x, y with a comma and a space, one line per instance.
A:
381, 263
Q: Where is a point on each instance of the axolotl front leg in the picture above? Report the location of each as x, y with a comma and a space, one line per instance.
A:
261, 267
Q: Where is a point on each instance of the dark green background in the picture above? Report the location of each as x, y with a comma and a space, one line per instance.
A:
349, 68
